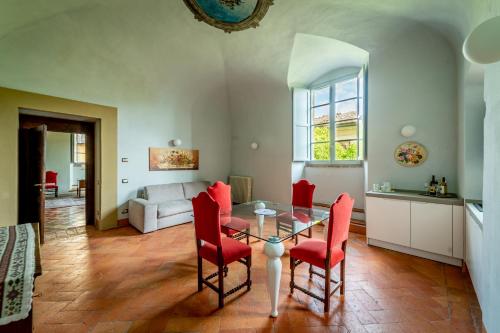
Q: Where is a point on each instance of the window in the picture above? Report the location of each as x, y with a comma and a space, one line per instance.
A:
78, 148
335, 121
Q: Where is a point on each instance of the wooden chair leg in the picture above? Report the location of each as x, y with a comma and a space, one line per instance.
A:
249, 280
248, 237
292, 274
296, 239
226, 270
327, 289
221, 286
342, 277
309, 233
310, 271
200, 272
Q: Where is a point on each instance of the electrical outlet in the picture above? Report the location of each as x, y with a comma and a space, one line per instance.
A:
124, 180
124, 159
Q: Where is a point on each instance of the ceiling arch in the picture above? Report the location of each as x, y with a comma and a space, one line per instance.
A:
313, 56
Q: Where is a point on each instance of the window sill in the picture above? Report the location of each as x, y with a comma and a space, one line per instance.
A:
349, 164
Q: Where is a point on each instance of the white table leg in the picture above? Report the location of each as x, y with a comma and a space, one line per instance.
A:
274, 249
260, 224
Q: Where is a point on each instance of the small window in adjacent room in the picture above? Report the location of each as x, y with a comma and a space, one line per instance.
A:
330, 126
78, 148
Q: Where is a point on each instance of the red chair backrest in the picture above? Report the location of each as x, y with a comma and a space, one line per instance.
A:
340, 218
221, 193
302, 195
207, 219
51, 177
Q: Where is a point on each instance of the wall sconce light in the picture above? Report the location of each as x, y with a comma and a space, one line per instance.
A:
254, 145
408, 130
176, 142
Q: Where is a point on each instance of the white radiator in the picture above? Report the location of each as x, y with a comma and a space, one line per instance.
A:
241, 188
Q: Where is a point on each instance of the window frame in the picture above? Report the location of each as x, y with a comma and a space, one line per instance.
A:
73, 148
332, 122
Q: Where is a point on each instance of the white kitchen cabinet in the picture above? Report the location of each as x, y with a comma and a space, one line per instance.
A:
432, 227
458, 232
388, 220
473, 251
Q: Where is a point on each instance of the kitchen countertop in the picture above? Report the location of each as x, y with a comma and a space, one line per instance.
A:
475, 213
415, 196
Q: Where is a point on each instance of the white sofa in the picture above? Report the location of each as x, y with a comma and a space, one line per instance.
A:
164, 205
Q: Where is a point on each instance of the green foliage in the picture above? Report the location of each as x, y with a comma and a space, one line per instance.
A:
321, 151
346, 151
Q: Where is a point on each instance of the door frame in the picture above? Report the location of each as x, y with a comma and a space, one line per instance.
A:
65, 125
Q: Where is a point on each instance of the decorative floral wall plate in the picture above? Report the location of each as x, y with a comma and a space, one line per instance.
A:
410, 154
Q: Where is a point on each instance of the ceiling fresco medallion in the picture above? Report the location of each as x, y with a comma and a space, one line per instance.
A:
229, 15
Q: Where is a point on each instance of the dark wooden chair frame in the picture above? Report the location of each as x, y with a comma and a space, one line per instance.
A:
242, 235
328, 272
221, 273
309, 235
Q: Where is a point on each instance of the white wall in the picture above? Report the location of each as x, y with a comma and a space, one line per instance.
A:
491, 194
58, 158
413, 81
297, 171
331, 181
163, 72
77, 172
473, 141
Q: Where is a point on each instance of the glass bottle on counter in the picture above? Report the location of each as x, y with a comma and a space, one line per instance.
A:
443, 187
433, 186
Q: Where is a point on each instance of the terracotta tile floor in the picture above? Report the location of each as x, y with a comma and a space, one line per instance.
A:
123, 281
64, 222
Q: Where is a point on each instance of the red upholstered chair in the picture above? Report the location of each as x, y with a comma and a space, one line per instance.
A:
221, 193
326, 254
302, 196
220, 251
51, 182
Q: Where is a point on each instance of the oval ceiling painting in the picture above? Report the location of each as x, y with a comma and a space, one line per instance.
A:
229, 15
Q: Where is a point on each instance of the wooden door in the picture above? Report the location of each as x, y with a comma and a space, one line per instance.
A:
73, 126
32, 176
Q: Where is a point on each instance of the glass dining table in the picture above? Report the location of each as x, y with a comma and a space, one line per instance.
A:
273, 223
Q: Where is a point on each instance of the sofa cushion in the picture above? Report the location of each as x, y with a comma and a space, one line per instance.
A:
172, 207
164, 192
192, 189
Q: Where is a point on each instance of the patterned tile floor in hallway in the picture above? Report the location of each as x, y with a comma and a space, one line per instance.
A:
123, 281
64, 222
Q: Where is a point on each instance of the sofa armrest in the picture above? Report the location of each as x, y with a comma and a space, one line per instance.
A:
142, 214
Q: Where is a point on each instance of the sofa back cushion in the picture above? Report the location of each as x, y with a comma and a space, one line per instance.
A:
164, 192
192, 189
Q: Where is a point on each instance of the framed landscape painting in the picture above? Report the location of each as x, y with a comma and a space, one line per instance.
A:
173, 159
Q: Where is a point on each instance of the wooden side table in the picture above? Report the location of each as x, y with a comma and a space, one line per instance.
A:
81, 185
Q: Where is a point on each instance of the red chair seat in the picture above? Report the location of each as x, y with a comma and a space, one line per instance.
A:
235, 223
313, 251
232, 250
51, 186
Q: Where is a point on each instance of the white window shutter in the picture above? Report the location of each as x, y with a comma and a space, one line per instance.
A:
362, 82
301, 135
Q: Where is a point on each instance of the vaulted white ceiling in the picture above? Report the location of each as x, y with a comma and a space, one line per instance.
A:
313, 56
149, 40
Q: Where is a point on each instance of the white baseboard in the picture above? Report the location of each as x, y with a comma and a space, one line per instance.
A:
415, 252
